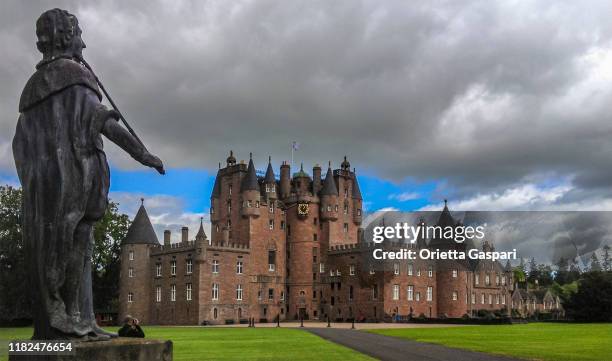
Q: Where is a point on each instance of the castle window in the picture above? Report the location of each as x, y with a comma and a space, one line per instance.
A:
189, 266
249, 203
375, 292
267, 188
487, 279
345, 192
430, 271
418, 272
473, 298
345, 227
336, 208
329, 208
158, 294
215, 291
359, 212
372, 270
271, 261
212, 210
454, 273
229, 190
229, 224
239, 267
215, 313
409, 269
216, 228
271, 294
259, 295
482, 299
321, 267
333, 299
130, 272
265, 311
350, 293
346, 209
395, 292
188, 291
476, 279
314, 294
503, 299
131, 254
130, 297
503, 280
314, 276
271, 224
497, 299
239, 292
417, 296
256, 204
173, 268
490, 299
271, 208
282, 296
229, 207
396, 268
410, 293
215, 266
352, 270
497, 280
429, 293
455, 295
158, 269
282, 225
315, 251
315, 237
172, 293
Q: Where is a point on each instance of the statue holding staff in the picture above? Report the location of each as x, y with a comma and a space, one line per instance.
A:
64, 174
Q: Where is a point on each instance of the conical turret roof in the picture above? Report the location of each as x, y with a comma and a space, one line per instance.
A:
201, 235
141, 230
446, 220
249, 182
216, 192
329, 185
269, 178
356, 191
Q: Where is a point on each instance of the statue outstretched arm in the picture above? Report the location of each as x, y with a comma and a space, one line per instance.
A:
120, 136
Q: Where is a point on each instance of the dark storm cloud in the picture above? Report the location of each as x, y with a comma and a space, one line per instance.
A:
483, 95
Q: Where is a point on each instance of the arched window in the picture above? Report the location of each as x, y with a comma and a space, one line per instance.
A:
215, 313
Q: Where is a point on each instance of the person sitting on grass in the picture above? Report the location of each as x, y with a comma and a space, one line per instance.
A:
130, 328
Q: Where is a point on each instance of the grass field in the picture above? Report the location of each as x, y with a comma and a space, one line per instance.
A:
200, 343
536, 341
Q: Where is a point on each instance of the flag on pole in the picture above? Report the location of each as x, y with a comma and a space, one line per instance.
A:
295, 145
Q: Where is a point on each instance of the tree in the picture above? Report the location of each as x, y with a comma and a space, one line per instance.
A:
606, 262
561, 275
15, 304
534, 273
595, 265
105, 266
593, 300
545, 275
574, 271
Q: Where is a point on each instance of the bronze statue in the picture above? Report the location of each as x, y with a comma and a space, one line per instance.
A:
62, 168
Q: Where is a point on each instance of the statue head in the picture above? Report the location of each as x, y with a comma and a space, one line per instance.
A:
59, 35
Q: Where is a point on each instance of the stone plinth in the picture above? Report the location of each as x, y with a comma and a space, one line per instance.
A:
119, 349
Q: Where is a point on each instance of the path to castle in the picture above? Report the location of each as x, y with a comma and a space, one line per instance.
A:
392, 348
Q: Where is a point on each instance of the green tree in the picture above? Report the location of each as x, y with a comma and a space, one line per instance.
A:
561, 274
593, 300
595, 265
15, 304
534, 272
105, 267
606, 264
545, 275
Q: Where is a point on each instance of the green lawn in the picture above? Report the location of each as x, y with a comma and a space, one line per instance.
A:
201, 343
536, 341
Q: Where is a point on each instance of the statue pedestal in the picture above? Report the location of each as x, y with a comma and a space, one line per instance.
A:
118, 349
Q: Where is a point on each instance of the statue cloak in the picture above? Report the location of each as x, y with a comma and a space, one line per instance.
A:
63, 170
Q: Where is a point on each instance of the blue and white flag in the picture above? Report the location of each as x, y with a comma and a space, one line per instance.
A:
295, 145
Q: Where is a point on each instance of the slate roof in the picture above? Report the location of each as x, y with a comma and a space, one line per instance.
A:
141, 230
269, 178
329, 185
356, 191
249, 182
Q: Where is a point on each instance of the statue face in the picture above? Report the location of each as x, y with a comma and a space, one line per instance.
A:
78, 44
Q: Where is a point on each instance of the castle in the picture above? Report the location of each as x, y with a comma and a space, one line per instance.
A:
293, 248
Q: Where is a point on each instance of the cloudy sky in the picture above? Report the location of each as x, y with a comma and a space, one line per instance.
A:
495, 105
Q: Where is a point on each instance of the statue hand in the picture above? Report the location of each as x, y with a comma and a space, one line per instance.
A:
153, 162
112, 113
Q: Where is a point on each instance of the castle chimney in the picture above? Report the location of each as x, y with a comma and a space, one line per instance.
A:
167, 237
184, 234
316, 179
285, 180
